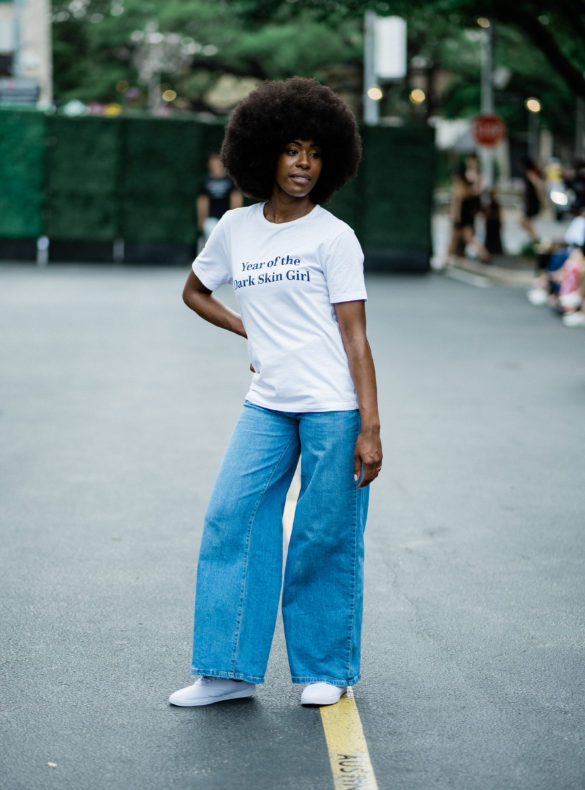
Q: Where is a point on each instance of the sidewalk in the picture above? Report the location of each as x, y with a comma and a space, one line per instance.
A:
510, 269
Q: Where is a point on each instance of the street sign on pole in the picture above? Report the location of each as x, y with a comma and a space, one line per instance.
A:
390, 47
488, 129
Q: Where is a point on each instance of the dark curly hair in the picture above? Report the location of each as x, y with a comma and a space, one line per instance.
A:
277, 113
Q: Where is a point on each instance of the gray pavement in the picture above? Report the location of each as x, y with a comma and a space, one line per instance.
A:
116, 404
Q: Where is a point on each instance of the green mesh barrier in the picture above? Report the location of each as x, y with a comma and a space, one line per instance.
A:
396, 182
345, 203
163, 164
22, 153
138, 178
83, 178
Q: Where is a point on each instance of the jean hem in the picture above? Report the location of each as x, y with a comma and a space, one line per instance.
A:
324, 679
218, 673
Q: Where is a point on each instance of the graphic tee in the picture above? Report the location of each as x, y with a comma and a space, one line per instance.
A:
287, 278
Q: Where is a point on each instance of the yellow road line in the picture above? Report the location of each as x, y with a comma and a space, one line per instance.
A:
348, 751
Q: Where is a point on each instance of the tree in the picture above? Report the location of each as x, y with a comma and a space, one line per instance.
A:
557, 31
96, 44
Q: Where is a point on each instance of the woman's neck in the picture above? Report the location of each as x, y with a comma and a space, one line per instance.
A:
283, 208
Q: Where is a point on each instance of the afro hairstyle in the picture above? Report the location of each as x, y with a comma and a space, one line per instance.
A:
275, 114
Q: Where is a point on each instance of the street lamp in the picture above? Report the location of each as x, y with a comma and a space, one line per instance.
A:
534, 107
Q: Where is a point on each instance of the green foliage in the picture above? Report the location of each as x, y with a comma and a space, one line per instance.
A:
558, 30
96, 50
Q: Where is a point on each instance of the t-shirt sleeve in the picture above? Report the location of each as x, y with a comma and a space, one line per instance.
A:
212, 265
344, 269
203, 190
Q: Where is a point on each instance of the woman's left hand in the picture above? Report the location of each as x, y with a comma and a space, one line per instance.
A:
367, 457
367, 454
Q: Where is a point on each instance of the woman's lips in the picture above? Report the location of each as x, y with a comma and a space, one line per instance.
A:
299, 179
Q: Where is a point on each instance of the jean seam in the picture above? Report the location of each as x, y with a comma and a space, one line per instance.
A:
353, 582
245, 573
348, 681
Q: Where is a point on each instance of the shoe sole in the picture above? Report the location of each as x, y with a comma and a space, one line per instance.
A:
212, 700
321, 704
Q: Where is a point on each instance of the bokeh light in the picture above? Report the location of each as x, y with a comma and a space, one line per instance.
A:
417, 96
533, 105
375, 93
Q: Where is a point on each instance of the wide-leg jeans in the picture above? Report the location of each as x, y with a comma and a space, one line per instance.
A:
239, 574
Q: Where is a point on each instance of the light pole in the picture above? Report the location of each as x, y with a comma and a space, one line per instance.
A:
534, 107
372, 92
487, 95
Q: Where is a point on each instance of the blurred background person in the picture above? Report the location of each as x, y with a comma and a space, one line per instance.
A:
576, 183
534, 190
218, 193
465, 205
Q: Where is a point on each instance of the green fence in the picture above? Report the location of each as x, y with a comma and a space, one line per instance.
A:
23, 138
95, 179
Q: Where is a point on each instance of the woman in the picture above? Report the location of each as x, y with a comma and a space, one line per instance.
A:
298, 274
534, 189
465, 206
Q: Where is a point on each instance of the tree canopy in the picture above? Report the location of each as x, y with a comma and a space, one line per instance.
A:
104, 50
557, 30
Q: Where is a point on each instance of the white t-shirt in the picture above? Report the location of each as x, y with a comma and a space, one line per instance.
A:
287, 277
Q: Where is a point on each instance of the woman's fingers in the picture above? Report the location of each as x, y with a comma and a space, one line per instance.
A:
370, 473
367, 460
357, 467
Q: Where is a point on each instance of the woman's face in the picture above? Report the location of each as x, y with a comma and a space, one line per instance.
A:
298, 168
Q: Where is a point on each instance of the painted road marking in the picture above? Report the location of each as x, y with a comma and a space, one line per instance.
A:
349, 757
348, 751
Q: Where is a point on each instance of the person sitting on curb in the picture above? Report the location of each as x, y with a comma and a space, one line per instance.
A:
551, 256
572, 291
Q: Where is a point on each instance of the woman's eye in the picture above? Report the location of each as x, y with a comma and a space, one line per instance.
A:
292, 152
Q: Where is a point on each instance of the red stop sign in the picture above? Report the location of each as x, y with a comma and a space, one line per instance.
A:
488, 130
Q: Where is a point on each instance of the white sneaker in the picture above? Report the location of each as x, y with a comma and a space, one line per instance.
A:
574, 319
322, 694
570, 300
537, 296
206, 691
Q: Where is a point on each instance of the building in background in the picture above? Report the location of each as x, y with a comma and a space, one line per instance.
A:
25, 52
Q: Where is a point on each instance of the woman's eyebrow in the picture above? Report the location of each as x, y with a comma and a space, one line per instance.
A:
299, 143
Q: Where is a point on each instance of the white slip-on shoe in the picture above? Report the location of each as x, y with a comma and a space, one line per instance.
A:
574, 319
322, 694
206, 691
537, 296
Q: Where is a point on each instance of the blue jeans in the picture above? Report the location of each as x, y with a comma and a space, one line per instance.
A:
239, 575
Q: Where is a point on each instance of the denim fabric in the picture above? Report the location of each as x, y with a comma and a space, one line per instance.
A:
239, 574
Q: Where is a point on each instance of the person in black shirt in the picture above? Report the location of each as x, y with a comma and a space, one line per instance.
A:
218, 193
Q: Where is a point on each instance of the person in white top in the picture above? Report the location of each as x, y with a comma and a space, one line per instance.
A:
297, 272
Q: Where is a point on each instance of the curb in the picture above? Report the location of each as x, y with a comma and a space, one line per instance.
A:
519, 273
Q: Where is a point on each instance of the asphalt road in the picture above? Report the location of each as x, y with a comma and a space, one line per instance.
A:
116, 405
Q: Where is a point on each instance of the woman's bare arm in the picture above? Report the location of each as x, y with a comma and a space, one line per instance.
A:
201, 300
351, 317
